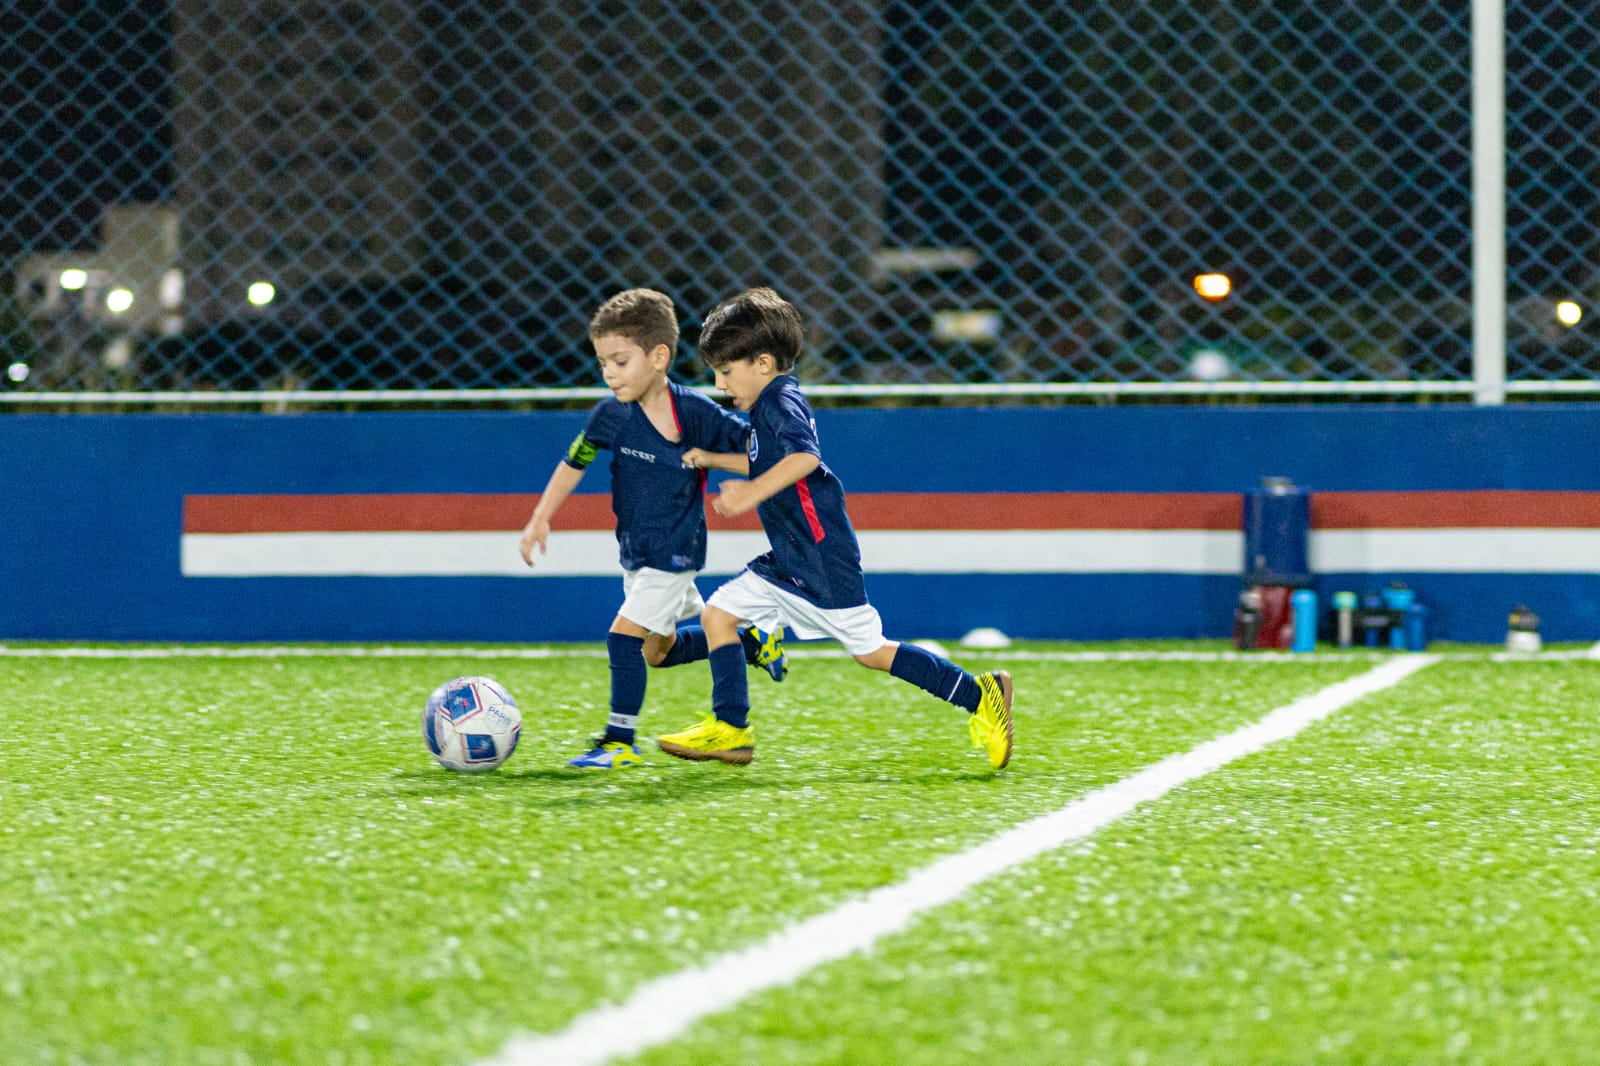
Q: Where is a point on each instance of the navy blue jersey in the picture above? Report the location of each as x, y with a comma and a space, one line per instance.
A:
659, 502
814, 551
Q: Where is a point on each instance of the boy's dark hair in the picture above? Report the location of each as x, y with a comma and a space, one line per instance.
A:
744, 326
644, 316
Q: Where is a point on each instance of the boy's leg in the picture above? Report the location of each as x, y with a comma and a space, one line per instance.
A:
987, 697
656, 598
761, 649
688, 645
730, 694
625, 650
726, 736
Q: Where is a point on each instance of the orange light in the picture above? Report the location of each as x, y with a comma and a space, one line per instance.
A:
1212, 286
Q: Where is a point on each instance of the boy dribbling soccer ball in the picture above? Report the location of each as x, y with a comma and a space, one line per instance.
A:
647, 424
811, 582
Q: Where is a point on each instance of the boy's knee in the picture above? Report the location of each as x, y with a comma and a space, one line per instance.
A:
657, 646
882, 659
718, 623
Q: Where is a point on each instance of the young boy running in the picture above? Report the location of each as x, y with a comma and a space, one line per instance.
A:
659, 504
811, 580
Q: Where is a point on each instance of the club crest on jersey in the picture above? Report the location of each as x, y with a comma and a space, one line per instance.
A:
754, 449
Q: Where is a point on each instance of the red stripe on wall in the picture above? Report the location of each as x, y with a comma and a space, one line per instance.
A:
1450, 510
1046, 510
490, 512
445, 512
384, 512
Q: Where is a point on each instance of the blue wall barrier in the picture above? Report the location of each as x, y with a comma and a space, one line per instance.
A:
95, 515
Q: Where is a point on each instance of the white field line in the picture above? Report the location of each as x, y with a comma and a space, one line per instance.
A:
444, 652
1594, 651
660, 1010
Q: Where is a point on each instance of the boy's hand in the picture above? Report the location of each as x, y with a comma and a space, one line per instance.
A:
736, 498
537, 531
697, 458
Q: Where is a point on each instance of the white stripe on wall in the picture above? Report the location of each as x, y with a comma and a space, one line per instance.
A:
1052, 551
585, 554
1456, 551
595, 553
1000, 551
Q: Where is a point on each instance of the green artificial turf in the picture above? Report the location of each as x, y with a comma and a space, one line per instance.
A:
1412, 881
228, 860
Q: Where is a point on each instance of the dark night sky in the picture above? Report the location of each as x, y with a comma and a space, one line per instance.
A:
85, 103
84, 117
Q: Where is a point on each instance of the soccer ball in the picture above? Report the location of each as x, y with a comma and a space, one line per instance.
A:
471, 724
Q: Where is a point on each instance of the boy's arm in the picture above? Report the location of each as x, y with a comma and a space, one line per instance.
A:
737, 497
732, 462
537, 531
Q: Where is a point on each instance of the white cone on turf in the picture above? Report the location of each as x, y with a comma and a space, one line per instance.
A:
985, 637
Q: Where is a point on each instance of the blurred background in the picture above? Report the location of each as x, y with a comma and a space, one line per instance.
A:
212, 195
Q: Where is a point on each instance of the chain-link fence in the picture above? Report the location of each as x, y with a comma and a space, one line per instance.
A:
414, 194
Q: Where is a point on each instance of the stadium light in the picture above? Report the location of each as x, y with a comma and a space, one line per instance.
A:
973, 325
119, 300
1209, 364
1212, 287
172, 289
260, 293
17, 372
1568, 313
73, 278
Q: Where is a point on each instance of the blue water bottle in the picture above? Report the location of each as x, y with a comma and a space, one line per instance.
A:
1303, 605
1397, 598
1416, 620
1371, 611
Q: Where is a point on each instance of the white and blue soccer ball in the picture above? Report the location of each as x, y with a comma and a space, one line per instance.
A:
471, 724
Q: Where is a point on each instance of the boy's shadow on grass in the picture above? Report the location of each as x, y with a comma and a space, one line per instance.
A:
568, 788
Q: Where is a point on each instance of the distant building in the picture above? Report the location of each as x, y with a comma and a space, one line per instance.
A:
298, 133
546, 148
131, 283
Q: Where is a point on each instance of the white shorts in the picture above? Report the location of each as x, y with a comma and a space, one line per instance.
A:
659, 599
757, 601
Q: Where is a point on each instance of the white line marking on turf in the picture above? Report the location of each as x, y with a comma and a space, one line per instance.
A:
662, 1009
1594, 651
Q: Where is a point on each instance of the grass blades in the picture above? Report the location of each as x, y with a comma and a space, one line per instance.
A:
1413, 880
255, 860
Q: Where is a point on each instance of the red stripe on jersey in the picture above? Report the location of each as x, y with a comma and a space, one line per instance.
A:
672, 405
817, 532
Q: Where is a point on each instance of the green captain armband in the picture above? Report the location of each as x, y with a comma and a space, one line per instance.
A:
582, 452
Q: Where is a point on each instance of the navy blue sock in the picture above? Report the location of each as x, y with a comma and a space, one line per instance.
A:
939, 676
690, 647
730, 692
627, 685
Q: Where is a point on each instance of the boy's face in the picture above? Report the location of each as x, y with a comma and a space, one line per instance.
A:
629, 371
742, 380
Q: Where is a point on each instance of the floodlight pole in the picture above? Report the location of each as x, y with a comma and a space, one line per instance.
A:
1488, 201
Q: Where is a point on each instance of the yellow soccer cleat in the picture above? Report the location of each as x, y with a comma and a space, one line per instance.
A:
765, 650
990, 726
712, 738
